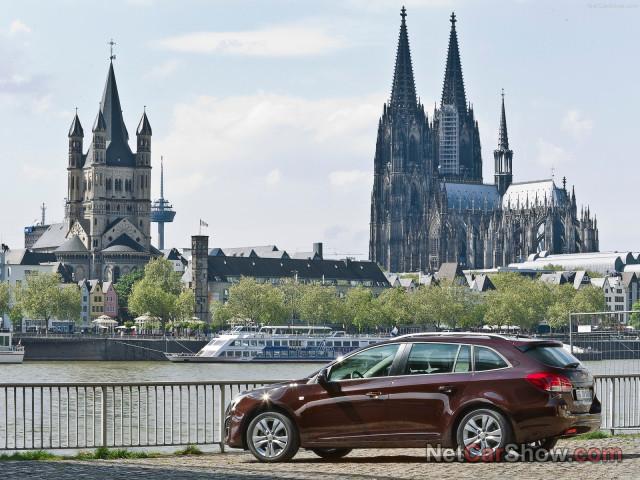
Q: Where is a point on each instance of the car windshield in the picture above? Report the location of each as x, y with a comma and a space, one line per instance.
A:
552, 355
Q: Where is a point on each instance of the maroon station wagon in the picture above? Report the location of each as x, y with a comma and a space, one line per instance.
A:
477, 392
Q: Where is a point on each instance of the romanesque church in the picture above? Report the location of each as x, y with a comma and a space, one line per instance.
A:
429, 204
107, 229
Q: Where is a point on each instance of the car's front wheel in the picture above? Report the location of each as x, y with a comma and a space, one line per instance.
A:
483, 431
272, 437
331, 452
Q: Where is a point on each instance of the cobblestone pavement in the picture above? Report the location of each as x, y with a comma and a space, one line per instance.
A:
359, 465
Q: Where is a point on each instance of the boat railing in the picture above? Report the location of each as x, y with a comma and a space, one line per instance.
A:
74, 416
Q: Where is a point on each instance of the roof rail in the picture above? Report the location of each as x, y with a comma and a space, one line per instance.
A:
465, 334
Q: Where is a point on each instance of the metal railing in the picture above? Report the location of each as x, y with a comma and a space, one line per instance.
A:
85, 415
620, 399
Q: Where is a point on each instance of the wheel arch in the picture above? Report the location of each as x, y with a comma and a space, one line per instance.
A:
478, 406
265, 407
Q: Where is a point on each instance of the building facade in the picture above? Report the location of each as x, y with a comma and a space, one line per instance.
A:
429, 204
107, 231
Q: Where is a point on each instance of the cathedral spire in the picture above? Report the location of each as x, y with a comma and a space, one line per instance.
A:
112, 111
503, 138
403, 92
453, 88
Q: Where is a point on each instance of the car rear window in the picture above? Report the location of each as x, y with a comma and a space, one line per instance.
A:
552, 355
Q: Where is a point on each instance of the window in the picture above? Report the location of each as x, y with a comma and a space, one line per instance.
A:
552, 355
431, 358
373, 362
487, 359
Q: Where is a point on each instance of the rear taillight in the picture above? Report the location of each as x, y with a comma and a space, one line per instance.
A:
550, 382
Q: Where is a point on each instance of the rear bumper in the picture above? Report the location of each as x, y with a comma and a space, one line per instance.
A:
557, 421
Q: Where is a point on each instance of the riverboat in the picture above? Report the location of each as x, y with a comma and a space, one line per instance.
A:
10, 353
272, 343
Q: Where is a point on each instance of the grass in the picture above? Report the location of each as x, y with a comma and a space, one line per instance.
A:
100, 453
594, 435
36, 455
189, 450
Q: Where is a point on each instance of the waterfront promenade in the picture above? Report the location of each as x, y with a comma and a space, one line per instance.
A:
359, 465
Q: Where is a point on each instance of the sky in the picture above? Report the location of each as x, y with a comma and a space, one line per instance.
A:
266, 112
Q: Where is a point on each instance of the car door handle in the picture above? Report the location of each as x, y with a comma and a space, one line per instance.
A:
376, 395
448, 389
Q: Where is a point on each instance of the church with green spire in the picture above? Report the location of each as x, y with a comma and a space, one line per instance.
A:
429, 204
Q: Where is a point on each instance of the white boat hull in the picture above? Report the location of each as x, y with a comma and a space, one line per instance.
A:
12, 356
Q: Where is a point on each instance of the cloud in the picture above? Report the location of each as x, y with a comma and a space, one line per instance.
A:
345, 179
29, 172
551, 155
162, 71
273, 177
17, 27
277, 41
576, 124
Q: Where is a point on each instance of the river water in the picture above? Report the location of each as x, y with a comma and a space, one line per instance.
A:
100, 372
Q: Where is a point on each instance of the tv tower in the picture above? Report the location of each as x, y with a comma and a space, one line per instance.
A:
161, 210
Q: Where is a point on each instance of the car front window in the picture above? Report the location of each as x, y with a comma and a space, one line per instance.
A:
373, 362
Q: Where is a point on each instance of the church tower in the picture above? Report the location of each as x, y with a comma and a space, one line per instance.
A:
402, 167
109, 194
456, 135
503, 156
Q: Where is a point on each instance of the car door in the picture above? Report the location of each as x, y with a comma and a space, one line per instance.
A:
351, 408
424, 394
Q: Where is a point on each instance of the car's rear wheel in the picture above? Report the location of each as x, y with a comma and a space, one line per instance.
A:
331, 452
483, 430
272, 437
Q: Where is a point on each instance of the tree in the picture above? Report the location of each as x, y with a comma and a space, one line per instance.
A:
517, 301
44, 297
319, 304
186, 304
123, 288
257, 302
157, 292
292, 292
360, 309
5, 298
562, 297
634, 318
395, 307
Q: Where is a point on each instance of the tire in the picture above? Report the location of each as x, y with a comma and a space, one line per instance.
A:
331, 452
483, 429
272, 437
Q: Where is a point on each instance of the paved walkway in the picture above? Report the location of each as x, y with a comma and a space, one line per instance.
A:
359, 465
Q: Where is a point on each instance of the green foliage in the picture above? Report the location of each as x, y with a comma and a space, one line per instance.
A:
5, 298
593, 435
359, 308
44, 297
158, 293
123, 288
258, 302
634, 318
395, 308
320, 304
189, 450
555, 268
517, 301
292, 292
104, 453
35, 455
413, 276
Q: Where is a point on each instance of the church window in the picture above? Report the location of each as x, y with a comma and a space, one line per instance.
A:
108, 183
89, 185
72, 182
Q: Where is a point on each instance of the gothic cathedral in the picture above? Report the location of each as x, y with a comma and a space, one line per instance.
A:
429, 204
109, 195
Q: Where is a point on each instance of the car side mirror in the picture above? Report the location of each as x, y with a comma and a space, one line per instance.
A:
323, 377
